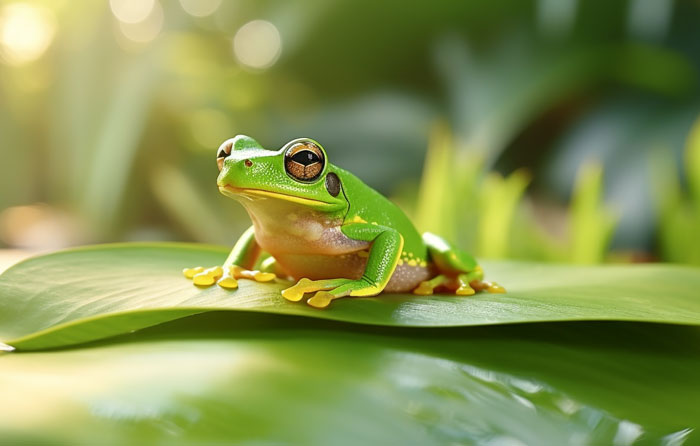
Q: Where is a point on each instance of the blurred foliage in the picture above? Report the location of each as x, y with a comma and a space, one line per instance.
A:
680, 213
108, 130
488, 212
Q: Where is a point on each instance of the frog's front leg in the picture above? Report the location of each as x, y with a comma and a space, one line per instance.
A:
383, 257
238, 265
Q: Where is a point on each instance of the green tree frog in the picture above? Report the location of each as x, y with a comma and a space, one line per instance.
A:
321, 226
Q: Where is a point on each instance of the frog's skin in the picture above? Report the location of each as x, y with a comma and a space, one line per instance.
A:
320, 225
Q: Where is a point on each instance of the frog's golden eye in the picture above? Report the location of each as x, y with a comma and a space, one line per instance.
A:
222, 152
304, 161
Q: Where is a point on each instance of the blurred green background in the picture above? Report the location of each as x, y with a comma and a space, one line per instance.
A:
553, 130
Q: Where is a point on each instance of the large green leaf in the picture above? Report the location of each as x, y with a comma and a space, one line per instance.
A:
85, 294
251, 379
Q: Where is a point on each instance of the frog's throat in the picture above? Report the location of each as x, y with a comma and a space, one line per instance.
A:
235, 192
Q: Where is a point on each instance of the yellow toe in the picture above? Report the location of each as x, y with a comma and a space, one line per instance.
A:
263, 277
465, 291
216, 272
203, 279
228, 282
496, 289
296, 293
190, 272
292, 295
320, 300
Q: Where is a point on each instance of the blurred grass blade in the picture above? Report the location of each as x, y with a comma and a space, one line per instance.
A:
228, 379
435, 208
679, 213
118, 141
592, 225
692, 163
448, 200
83, 80
677, 232
498, 203
85, 294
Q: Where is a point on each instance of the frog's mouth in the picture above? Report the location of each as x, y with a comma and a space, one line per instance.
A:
235, 192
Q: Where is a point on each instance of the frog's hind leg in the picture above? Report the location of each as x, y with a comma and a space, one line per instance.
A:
454, 263
448, 259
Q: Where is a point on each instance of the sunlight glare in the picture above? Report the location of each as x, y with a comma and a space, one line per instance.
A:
26, 31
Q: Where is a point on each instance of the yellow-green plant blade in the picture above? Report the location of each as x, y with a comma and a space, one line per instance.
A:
79, 295
257, 379
591, 224
499, 201
435, 209
692, 162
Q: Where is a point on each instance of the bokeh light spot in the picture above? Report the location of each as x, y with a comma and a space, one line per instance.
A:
257, 44
26, 31
200, 8
131, 11
145, 30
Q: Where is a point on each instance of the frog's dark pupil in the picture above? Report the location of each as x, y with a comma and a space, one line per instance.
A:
306, 157
222, 154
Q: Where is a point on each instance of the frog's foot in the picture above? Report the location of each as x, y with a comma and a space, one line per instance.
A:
225, 277
329, 290
489, 287
465, 280
259, 276
469, 283
234, 272
204, 277
296, 292
427, 287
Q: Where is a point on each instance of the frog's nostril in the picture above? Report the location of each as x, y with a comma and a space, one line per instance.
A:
248, 163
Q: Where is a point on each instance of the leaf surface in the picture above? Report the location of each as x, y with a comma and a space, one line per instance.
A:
90, 293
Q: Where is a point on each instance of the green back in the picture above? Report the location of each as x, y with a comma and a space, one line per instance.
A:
372, 207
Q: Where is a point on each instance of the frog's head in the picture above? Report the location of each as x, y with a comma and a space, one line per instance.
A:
298, 173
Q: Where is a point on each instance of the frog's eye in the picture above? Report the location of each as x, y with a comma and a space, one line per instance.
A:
304, 161
222, 152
